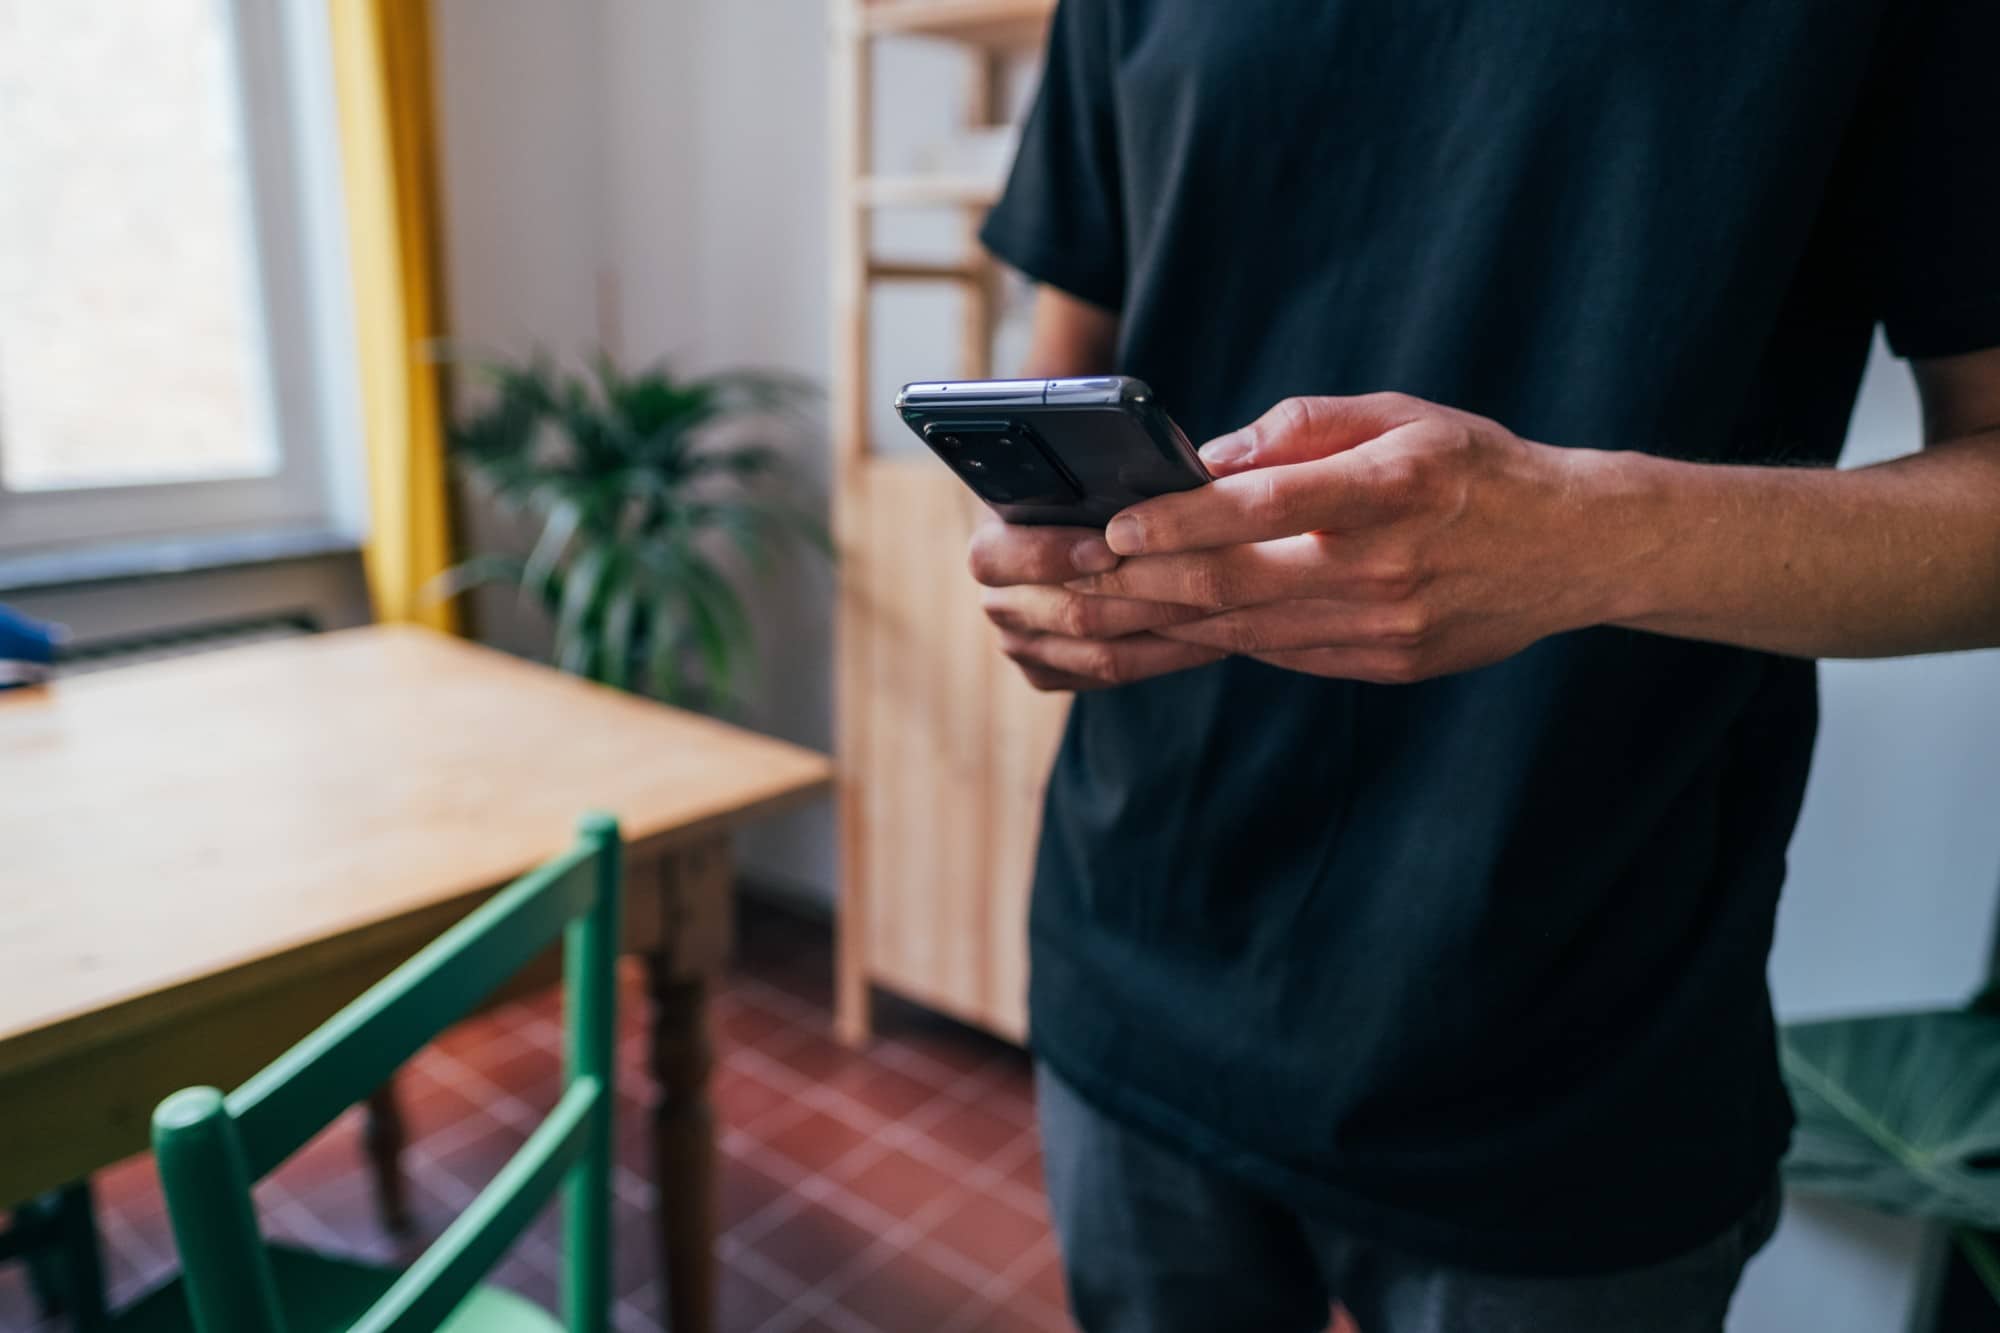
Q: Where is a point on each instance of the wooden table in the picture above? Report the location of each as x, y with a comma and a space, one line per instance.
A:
202, 859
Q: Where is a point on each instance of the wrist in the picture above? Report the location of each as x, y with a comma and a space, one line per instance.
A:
1617, 506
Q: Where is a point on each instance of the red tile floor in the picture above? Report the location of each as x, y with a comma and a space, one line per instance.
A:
893, 1191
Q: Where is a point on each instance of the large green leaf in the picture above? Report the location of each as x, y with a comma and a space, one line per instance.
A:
1900, 1112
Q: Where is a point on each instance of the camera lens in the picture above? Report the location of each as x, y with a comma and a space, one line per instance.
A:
975, 465
950, 441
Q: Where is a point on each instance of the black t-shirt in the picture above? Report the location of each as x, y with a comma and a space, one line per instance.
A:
1477, 965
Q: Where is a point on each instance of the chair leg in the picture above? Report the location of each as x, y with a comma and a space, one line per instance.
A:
384, 1136
65, 1268
47, 1279
76, 1229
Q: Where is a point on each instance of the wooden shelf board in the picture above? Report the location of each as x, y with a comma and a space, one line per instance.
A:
887, 270
927, 191
1000, 25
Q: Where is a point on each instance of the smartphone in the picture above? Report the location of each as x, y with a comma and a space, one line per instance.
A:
1070, 451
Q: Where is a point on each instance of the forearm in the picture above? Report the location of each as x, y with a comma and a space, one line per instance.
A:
1898, 558
1069, 336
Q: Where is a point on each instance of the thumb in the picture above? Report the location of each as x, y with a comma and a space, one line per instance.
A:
1299, 430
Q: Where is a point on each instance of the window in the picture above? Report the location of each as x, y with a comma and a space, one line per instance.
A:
173, 355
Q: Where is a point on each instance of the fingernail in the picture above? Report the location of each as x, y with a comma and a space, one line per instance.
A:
1092, 556
1222, 452
1124, 535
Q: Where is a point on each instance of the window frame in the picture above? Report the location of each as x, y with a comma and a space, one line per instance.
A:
300, 313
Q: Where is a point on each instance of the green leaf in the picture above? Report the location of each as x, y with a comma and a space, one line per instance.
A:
477, 572
583, 583
565, 516
711, 637
665, 644
1979, 1255
1900, 1112
712, 598
621, 619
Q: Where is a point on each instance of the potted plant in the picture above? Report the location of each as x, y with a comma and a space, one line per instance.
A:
639, 483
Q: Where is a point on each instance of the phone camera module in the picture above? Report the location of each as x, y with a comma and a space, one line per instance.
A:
1002, 461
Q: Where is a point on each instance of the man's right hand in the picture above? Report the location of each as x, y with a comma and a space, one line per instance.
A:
1065, 640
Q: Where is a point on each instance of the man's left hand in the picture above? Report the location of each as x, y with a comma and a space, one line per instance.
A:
1379, 538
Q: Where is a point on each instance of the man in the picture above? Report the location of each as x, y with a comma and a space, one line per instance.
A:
1403, 904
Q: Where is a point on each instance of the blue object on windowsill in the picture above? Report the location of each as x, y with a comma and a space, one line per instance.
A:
28, 648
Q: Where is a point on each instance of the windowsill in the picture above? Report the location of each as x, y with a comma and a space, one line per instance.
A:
163, 556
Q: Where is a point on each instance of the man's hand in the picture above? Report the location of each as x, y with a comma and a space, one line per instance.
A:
1065, 640
1380, 538
1068, 640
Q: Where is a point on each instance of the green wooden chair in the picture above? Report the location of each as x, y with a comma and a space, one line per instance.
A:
212, 1145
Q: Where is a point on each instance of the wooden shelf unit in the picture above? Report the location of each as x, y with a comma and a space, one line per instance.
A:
943, 748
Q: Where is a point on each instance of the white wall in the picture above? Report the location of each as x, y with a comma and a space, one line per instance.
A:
654, 176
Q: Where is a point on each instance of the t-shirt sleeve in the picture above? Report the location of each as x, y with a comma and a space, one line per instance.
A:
1938, 249
1060, 219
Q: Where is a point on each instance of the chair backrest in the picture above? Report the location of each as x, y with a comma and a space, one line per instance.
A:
211, 1146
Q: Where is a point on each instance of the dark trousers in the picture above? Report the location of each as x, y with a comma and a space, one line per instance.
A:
1155, 1243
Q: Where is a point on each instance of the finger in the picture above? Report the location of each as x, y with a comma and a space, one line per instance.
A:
1288, 626
1049, 681
1005, 554
1030, 609
1313, 564
1300, 429
1377, 666
1340, 493
1107, 661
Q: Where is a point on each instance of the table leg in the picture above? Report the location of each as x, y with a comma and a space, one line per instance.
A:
684, 1146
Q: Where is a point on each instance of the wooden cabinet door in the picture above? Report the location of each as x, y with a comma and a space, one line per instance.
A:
947, 750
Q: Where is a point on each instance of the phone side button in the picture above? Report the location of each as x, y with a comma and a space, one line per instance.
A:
1095, 389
